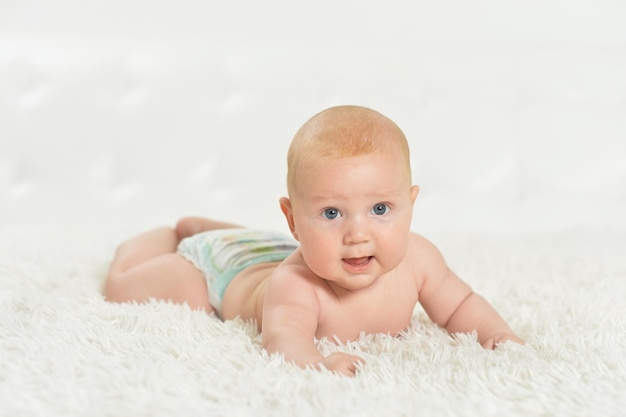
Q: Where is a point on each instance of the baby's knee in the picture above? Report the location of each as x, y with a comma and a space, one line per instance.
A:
111, 288
114, 289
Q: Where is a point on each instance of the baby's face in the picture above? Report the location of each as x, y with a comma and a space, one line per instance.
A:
352, 216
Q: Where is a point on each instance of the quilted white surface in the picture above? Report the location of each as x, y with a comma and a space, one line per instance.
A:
143, 111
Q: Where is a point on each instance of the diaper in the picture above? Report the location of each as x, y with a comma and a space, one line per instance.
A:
223, 253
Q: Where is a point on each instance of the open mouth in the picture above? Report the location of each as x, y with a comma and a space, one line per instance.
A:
358, 263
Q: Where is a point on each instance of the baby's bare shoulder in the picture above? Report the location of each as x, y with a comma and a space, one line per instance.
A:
420, 246
291, 280
423, 255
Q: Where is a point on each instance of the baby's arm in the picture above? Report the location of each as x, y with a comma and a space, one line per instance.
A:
452, 304
290, 317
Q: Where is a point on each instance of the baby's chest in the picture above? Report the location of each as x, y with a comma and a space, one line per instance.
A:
386, 312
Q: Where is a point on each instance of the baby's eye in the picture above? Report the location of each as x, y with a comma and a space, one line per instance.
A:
380, 209
331, 213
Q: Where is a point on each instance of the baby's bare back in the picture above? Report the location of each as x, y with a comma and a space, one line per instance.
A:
244, 296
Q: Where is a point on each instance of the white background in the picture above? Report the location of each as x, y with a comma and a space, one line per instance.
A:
139, 112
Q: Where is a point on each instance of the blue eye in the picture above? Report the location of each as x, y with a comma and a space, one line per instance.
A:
330, 213
380, 209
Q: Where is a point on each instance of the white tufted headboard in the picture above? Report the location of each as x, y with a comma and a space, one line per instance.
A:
515, 111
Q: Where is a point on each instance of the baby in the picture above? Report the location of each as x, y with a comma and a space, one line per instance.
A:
352, 266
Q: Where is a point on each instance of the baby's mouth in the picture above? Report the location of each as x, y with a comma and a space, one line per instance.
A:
358, 263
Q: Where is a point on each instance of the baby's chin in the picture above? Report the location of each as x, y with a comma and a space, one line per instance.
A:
355, 282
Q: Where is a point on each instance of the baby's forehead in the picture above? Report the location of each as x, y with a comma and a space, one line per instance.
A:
322, 180
316, 168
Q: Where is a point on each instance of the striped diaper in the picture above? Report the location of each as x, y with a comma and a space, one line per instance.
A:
223, 253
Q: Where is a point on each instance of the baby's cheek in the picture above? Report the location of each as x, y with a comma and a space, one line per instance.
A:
315, 259
393, 254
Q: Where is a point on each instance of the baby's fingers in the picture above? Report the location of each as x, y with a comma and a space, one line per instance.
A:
342, 363
498, 339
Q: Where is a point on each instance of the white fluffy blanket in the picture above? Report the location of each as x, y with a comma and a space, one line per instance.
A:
64, 351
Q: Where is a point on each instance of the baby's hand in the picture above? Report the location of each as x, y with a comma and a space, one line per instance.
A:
342, 363
495, 339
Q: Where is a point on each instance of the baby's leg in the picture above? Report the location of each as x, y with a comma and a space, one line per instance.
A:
147, 266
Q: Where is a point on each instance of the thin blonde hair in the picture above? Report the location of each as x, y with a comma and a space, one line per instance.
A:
342, 132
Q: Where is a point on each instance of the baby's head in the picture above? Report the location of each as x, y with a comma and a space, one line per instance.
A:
342, 132
350, 195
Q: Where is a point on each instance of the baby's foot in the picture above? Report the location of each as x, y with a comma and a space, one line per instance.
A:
189, 226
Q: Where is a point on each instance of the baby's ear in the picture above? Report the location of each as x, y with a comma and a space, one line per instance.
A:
414, 192
287, 209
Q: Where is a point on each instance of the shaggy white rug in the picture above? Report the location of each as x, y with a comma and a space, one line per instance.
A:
64, 351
